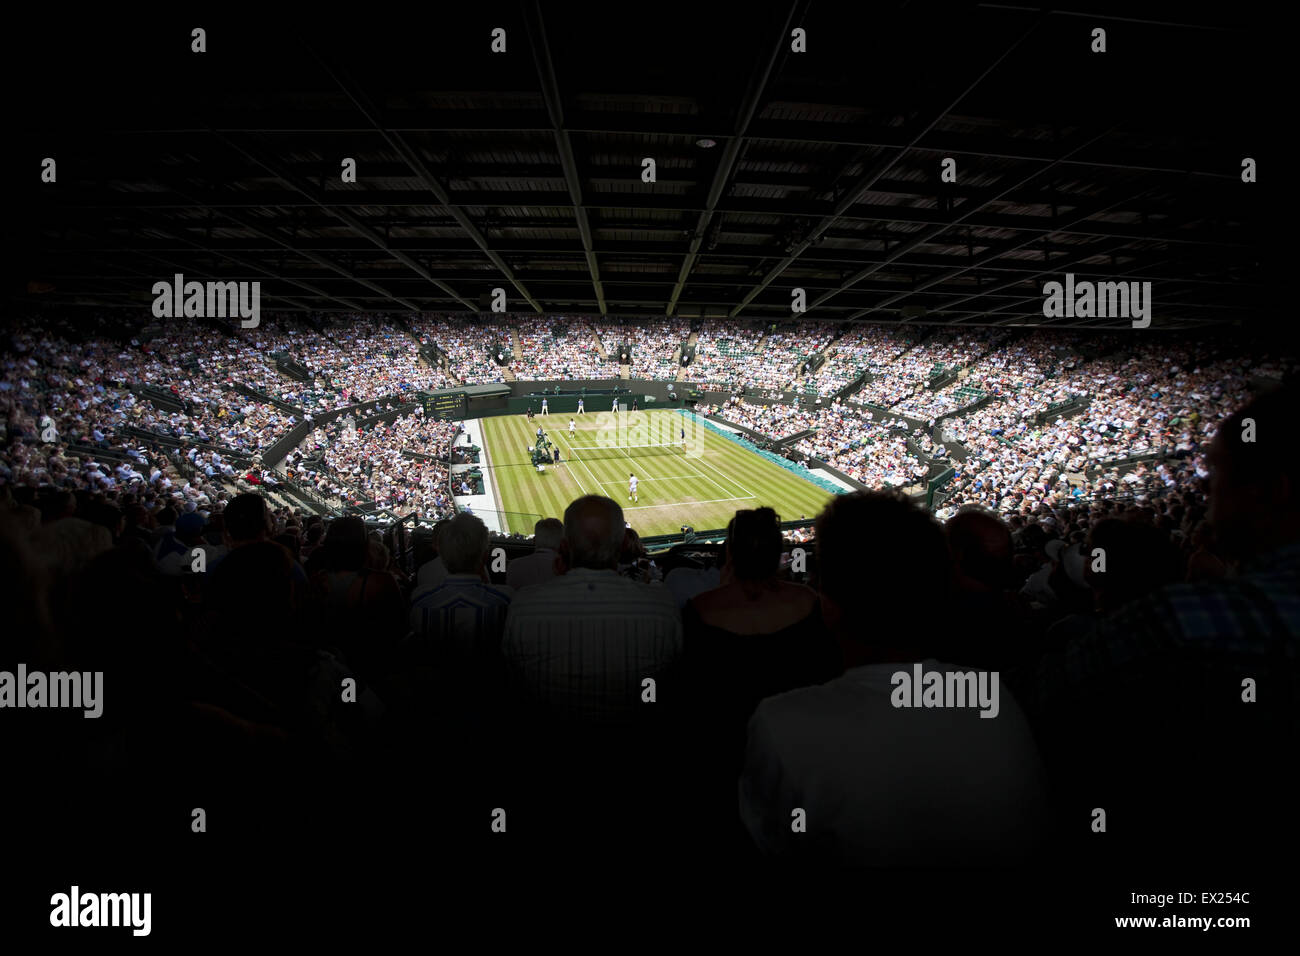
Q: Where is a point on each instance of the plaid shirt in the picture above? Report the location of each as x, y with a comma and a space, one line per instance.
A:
1200, 638
581, 643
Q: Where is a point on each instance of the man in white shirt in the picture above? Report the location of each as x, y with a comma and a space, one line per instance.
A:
881, 777
631, 488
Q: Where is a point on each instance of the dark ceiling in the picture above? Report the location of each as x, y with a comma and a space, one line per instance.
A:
522, 170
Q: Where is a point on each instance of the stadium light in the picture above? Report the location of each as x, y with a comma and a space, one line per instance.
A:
706, 143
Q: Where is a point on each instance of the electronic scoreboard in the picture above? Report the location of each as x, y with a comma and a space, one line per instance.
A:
451, 406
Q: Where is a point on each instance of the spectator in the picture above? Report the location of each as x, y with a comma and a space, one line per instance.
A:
991, 632
960, 790
753, 636
247, 521
685, 581
361, 611
582, 644
434, 571
1164, 679
461, 620
538, 567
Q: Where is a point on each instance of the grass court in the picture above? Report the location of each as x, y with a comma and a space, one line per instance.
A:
701, 483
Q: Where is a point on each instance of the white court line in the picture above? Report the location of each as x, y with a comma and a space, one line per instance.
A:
664, 478
714, 483
687, 504
649, 477
579, 460
701, 461
575, 477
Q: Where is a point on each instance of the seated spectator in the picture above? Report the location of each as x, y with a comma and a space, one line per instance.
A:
1133, 709
582, 644
685, 581
884, 785
434, 571
755, 635
992, 633
750, 638
247, 521
360, 608
1204, 564
635, 562
189, 535
538, 567
461, 619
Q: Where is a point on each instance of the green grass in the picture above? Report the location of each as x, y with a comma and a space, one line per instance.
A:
702, 485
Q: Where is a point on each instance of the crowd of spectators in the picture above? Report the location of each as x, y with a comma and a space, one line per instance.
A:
873, 453
773, 420
860, 350
655, 344
901, 383
557, 347
1149, 399
348, 464
470, 346
360, 358
306, 678
90, 391
726, 353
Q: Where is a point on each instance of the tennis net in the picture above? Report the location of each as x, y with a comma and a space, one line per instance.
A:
594, 452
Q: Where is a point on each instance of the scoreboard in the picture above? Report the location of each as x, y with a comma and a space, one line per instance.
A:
450, 406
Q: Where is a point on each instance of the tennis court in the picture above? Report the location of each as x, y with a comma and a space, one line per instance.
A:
701, 481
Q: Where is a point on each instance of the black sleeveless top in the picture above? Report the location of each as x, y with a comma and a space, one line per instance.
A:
727, 674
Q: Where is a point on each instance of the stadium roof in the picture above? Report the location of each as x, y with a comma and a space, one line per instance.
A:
522, 170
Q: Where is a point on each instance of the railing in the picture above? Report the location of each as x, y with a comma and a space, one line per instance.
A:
661, 542
935, 484
265, 398
507, 522
308, 496
1062, 409
941, 377
242, 458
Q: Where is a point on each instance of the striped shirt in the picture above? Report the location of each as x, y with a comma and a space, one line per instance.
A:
582, 643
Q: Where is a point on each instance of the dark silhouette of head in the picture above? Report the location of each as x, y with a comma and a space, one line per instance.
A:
463, 544
247, 520
754, 544
981, 549
548, 534
594, 529
878, 552
1255, 476
251, 592
1137, 558
346, 546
